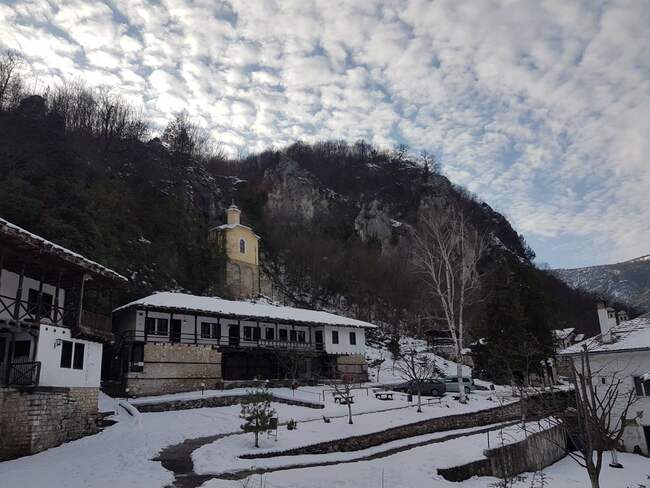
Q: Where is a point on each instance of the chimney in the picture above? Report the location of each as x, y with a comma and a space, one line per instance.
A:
232, 215
605, 320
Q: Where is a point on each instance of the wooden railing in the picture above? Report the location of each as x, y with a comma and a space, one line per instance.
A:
24, 310
95, 325
24, 374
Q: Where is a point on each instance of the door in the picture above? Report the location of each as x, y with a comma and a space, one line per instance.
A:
175, 330
233, 334
318, 340
3, 359
646, 431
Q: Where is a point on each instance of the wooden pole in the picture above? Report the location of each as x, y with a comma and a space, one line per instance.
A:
19, 292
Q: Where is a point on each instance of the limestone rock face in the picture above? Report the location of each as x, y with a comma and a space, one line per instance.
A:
294, 193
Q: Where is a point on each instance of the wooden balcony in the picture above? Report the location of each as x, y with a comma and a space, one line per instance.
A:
23, 374
94, 326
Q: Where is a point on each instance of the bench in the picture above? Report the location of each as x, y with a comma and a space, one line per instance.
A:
343, 400
384, 395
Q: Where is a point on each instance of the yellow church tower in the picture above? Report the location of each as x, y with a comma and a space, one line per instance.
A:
241, 245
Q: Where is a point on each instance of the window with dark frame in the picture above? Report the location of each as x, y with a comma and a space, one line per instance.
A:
256, 334
353, 338
335, 337
216, 331
641, 387
206, 330
301, 336
47, 299
150, 325
242, 246
292, 336
248, 333
78, 359
270, 334
282, 333
163, 327
66, 354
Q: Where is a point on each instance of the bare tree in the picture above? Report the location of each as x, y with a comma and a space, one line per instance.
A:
344, 391
10, 85
597, 422
376, 364
447, 252
416, 368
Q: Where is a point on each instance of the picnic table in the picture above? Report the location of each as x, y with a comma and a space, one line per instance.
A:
384, 395
343, 400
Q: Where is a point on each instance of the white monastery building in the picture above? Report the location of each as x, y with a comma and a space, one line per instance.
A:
51, 341
622, 350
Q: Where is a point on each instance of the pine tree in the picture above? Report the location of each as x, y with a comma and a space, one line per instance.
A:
257, 412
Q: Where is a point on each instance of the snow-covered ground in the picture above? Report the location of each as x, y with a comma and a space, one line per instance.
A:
223, 454
417, 468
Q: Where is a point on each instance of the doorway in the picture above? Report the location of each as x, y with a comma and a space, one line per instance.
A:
175, 330
233, 335
318, 340
646, 431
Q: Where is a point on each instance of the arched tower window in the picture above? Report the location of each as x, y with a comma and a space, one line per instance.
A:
242, 246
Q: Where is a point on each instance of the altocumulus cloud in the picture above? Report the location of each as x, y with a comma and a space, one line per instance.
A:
540, 107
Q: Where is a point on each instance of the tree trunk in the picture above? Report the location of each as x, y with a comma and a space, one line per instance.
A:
461, 386
419, 401
594, 479
349, 410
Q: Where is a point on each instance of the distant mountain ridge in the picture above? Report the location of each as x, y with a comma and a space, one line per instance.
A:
628, 281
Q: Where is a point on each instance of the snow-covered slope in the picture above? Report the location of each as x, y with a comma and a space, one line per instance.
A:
627, 282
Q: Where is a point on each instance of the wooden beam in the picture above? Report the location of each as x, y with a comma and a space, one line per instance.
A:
19, 292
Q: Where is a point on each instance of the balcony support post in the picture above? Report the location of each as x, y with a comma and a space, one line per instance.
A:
19, 292
146, 316
80, 305
39, 301
196, 326
57, 302
2, 263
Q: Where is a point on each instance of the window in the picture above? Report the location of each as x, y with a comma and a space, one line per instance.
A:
79, 349
163, 326
150, 325
205, 330
292, 336
256, 334
216, 331
22, 349
641, 387
283, 334
248, 333
66, 354
335, 337
242, 246
301, 336
270, 334
72, 355
353, 338
46, 303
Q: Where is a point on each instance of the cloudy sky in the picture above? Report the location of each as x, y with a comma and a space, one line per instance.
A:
542, 108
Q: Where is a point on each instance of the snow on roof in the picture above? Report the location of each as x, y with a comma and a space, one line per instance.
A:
182, 301
563, 333
232, 226
47, 247
627, 336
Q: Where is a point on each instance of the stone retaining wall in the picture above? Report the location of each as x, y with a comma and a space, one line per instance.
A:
216, 401
438, 424
35, 419
536, 452
175, 368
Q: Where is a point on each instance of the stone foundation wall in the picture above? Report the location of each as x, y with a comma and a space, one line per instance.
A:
35, 419
174, 368
219, 401
353, 366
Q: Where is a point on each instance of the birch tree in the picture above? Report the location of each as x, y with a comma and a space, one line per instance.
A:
447, 251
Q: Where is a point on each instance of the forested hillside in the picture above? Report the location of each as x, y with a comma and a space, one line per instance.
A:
336, 219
